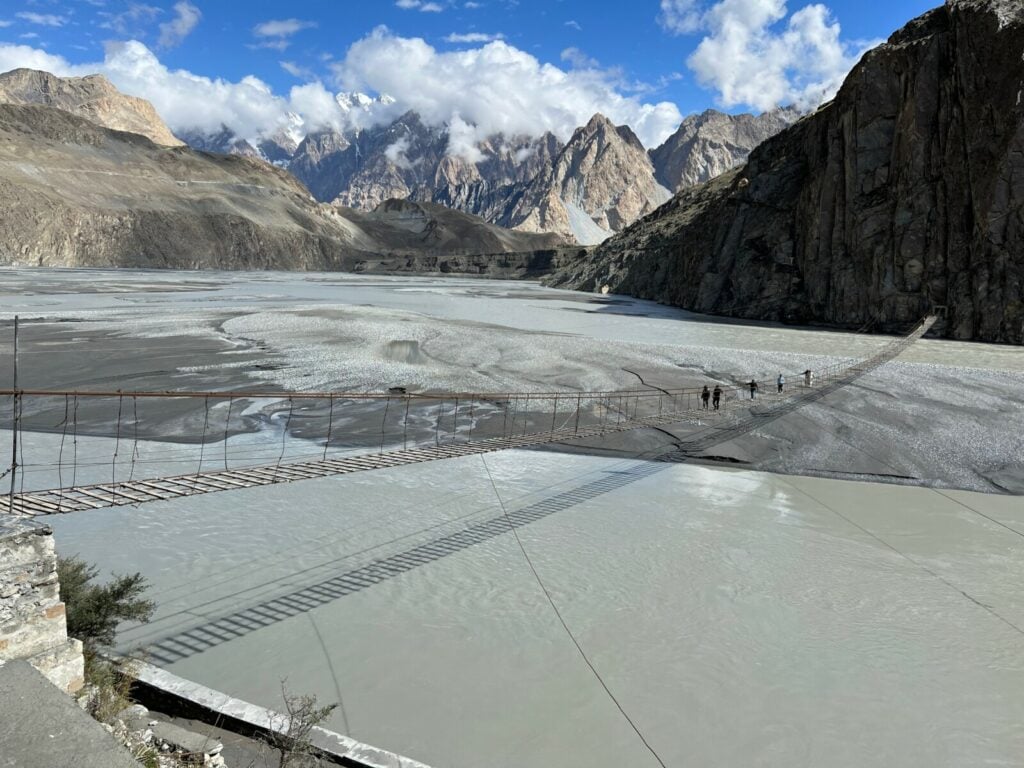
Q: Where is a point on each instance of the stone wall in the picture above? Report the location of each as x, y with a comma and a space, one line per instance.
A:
33, 625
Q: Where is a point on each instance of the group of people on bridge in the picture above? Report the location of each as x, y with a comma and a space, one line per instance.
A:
715, 396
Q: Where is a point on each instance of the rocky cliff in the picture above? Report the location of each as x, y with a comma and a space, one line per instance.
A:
93, 97
711, 143
902, 195
601, 181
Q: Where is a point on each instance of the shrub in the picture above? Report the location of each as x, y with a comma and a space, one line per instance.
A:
95, 610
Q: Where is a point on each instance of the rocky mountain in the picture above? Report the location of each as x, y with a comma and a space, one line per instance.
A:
601, 181
711, 143
586, 190
407, 158
78, 194
411, 227
593, 186
223, 142
93, 97
902, 196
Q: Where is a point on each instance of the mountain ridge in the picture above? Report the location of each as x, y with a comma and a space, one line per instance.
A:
79, 194
93, 97
902, 196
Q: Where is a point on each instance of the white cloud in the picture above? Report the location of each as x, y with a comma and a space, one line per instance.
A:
573, 24
5, 23
396, 153
18, 56
281, 27
477, 92
43, 19
130, 21
496, 88
409, 5
295, 70
752, 55
463, 138
680, 16
174, 32
473, 37
579, 59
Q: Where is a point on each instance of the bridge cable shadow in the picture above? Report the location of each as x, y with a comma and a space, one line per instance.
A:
201, 638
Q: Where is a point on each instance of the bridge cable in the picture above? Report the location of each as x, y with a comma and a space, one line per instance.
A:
135, 437
117, 441
384, 425
284, 437
202, 442
74, 442
561, 620
21, 441
60, 453
330, 425
227, 430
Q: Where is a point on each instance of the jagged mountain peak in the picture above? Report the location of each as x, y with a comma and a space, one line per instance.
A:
710, 143
900, 197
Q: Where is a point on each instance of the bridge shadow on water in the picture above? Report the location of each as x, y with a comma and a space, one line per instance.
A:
199, 639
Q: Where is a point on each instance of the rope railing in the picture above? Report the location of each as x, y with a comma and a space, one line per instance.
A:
366, 430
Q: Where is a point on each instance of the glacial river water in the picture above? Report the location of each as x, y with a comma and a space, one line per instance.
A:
740, 618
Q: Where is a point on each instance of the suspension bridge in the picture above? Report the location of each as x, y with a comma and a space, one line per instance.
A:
406, 428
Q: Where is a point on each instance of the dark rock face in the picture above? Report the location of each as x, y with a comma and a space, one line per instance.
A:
904, 194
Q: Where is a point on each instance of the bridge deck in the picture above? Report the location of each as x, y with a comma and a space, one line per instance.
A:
722, 426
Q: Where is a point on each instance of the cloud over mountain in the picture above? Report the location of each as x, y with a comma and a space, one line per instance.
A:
496, 87
492, 88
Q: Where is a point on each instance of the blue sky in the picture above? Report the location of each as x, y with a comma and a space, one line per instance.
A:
645, 61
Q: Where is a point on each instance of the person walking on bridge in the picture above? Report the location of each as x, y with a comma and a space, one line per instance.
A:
753, 388
781, 381
716, 396
705, 396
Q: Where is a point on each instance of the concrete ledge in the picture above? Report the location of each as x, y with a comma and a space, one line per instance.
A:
163, 691
40, 727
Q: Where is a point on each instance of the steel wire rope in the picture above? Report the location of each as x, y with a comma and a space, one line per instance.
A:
984, 606
60, 452
330, 425
227, 429
561, 619
939, 491
445, 502
437, 424
383, 426
21, 440
284, 437
405, 424
74, 443
135, 437
117, 445
334, 675
202, 442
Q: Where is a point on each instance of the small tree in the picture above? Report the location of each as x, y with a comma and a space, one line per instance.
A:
95, 610
291, 733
